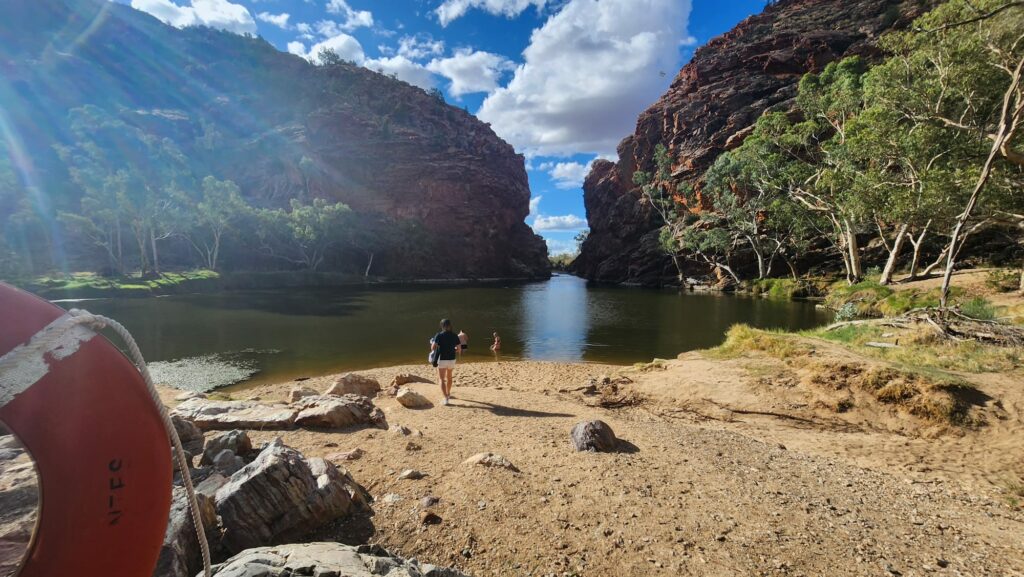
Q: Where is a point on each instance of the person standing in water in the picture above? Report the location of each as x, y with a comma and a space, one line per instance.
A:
448, 346
497, 343
464, 340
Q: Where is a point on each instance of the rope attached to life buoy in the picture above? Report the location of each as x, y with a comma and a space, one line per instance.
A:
24, 365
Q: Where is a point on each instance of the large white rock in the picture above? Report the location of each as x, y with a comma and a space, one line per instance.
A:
207, 414
410, 399
326, 559
333, 412
353, 384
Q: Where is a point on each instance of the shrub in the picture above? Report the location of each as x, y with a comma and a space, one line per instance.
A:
978, 308
846, 312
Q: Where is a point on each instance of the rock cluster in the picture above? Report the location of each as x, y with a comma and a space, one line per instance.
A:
326, 559
710, 107
251, 498
410, 399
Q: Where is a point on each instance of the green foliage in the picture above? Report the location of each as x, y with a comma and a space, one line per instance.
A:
846, 312
306, 234
780, 288
978, 308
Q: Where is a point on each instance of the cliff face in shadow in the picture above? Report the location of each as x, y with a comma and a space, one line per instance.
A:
451, 192
710, 107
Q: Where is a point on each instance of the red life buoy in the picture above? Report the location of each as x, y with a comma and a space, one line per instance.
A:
100, 450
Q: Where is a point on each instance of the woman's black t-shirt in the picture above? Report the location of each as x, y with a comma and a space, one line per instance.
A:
446, 343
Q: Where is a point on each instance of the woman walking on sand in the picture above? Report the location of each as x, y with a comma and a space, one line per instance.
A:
448, 346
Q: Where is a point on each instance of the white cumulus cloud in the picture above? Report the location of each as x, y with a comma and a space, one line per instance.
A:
534, 205
220, 14
587, 73
419, 46
557, 246
279, 20
450, 10
404, 69
567, 222
351, 19
347, 47
567, 175
471, 70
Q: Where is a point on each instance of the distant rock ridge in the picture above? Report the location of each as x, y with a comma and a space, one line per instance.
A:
278, 126
711, 107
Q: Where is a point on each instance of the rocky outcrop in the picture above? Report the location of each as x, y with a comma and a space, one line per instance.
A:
326, 559
709, 108
207, 414
282, 496
442, 195
315, 411
333, 412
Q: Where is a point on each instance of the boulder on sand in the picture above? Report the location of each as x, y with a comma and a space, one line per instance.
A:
353, 384
332, 412
326, 559
208, 415
410, 399
594, 436
281, 496
236, 441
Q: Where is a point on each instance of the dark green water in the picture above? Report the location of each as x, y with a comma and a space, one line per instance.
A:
319, 332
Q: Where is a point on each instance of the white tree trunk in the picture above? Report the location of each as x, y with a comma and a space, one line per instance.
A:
894, 254
855, 271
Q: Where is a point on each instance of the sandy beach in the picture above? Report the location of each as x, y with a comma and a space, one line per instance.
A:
720, 473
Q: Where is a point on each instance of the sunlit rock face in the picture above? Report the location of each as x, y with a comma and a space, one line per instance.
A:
432, 175
710, 107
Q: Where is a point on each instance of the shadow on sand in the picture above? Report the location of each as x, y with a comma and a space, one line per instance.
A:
502, 410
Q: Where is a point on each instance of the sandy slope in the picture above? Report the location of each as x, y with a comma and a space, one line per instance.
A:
705, 490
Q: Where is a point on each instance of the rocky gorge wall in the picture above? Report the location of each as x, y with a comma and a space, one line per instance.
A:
710, 107
450, 192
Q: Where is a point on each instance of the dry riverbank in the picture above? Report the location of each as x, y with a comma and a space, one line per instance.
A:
736, 464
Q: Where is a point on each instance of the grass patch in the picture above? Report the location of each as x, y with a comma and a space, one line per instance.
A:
978, 308
781, 288
743, 338
923, 348
872, 300
91, 284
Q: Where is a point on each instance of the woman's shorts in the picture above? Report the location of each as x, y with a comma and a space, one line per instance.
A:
446, 364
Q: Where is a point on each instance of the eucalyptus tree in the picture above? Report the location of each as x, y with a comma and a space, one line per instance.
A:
305, 235
964, 63
216, 211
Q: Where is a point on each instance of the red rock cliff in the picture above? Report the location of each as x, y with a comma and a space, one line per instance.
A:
709, 108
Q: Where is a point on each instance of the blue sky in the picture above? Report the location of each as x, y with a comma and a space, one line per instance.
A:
562, 80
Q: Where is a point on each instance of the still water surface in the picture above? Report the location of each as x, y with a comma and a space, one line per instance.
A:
290, 333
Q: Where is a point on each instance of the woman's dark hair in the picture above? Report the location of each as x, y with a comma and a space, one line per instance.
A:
446, 325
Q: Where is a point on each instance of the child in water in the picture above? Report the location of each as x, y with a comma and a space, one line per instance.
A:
497, 343
463, 340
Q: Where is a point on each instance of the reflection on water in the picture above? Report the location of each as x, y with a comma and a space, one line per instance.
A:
321, 331
555, 320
